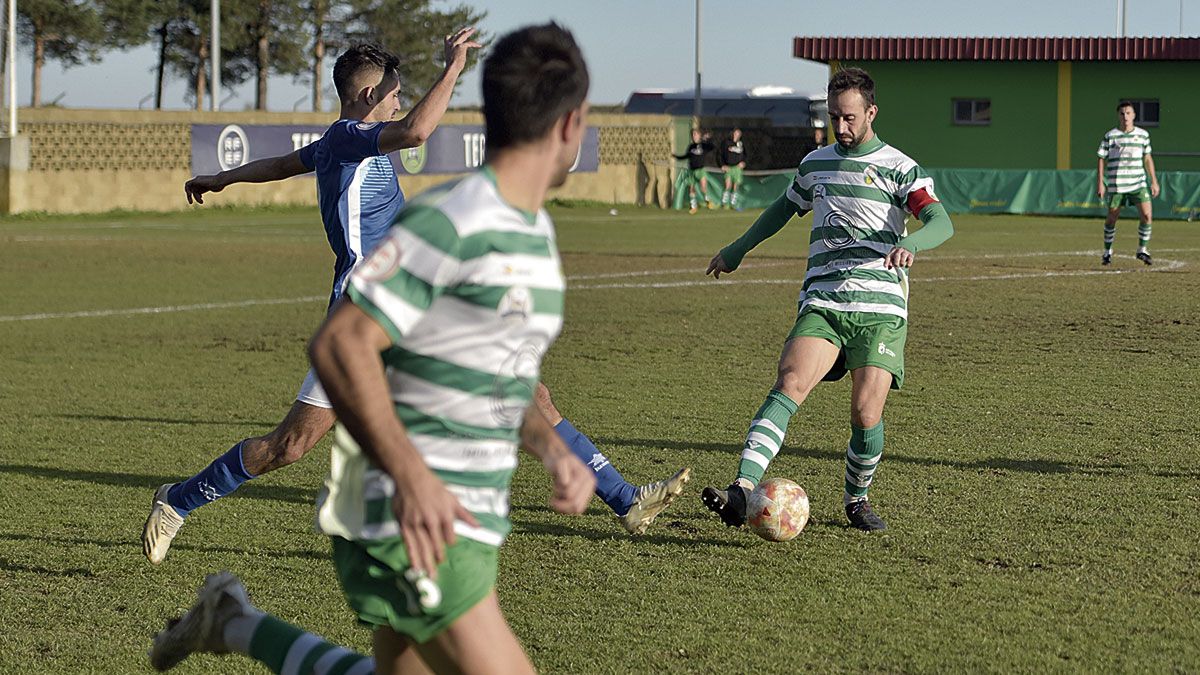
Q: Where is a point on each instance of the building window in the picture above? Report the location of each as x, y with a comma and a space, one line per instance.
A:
1145, 111
973, 111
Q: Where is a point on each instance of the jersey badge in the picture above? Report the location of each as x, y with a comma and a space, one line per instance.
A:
383, 263
516, 305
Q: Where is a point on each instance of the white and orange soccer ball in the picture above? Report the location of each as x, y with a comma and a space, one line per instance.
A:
777, 510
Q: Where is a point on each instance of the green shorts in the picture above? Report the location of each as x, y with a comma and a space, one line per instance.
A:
734, 174
865, 339
1116, 200
372, 578
695, 175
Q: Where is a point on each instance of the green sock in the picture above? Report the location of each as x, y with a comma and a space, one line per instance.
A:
862, 458
1144, 234
1110, 233
277, 644
765, 436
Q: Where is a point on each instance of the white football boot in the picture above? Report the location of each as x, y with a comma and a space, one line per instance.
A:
161, 527
652, 499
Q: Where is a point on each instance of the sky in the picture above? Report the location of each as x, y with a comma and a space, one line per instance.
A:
643, 44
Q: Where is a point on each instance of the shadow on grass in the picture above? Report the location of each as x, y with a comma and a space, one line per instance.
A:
135, 548
252, 490
9, 566
656, 535
1042, 466
166, 420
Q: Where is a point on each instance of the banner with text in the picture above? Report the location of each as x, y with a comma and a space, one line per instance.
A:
452, 148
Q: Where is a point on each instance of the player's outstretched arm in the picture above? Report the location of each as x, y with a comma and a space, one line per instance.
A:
936, 228
416, 127
770, 221
574, 483
259, 171
345, 354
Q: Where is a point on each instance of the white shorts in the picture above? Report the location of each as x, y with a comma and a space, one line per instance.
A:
312, 393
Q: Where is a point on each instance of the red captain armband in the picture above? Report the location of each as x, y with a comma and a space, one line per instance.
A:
919, 199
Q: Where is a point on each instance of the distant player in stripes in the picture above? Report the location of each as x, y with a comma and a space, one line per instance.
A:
1123, 165
733, 163
853, 306
431, 359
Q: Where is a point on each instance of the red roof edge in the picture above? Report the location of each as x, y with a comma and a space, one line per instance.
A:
825, 49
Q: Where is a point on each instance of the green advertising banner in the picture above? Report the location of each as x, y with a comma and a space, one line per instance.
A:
757, 191
1057, 193
1035, 191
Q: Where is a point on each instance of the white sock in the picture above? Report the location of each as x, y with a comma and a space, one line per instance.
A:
239, 631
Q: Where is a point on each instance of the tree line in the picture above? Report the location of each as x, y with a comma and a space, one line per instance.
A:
259, 38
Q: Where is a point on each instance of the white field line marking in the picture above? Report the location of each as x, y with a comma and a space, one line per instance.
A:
679, 270
1168, 266
162, 310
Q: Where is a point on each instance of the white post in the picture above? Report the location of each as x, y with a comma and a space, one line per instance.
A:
12, 68
698, 103
215, 55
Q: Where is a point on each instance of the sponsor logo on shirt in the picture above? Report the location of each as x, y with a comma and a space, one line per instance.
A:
839, 231
516, 305
383, 263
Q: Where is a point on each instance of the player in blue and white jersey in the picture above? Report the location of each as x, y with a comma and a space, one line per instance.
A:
359, 198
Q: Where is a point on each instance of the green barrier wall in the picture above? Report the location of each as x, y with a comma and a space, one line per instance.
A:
757, 191
1039, 191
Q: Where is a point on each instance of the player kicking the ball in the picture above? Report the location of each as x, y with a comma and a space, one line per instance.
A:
853, 304
359, 198
431, 359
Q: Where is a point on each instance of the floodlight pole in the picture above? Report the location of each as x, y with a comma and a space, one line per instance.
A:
215, 52
697, 103
12, 68
1122, 16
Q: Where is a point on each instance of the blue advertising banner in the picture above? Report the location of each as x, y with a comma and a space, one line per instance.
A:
452, 148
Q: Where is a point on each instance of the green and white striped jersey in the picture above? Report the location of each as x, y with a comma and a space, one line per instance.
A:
859, 199
470, 290
1124, 159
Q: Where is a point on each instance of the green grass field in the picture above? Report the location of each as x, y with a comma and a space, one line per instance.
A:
1039, 477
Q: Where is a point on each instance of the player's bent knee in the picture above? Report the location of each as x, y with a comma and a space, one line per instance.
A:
796, 386
864, 418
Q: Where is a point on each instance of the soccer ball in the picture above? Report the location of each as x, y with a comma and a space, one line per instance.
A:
777, 510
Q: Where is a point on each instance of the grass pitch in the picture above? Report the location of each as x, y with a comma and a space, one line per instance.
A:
1039, 475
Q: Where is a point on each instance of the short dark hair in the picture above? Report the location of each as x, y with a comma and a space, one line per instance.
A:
533, 77
1125, 104
853, 78
354, 61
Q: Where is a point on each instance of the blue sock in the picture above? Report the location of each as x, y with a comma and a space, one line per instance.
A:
610, 485
224, 475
